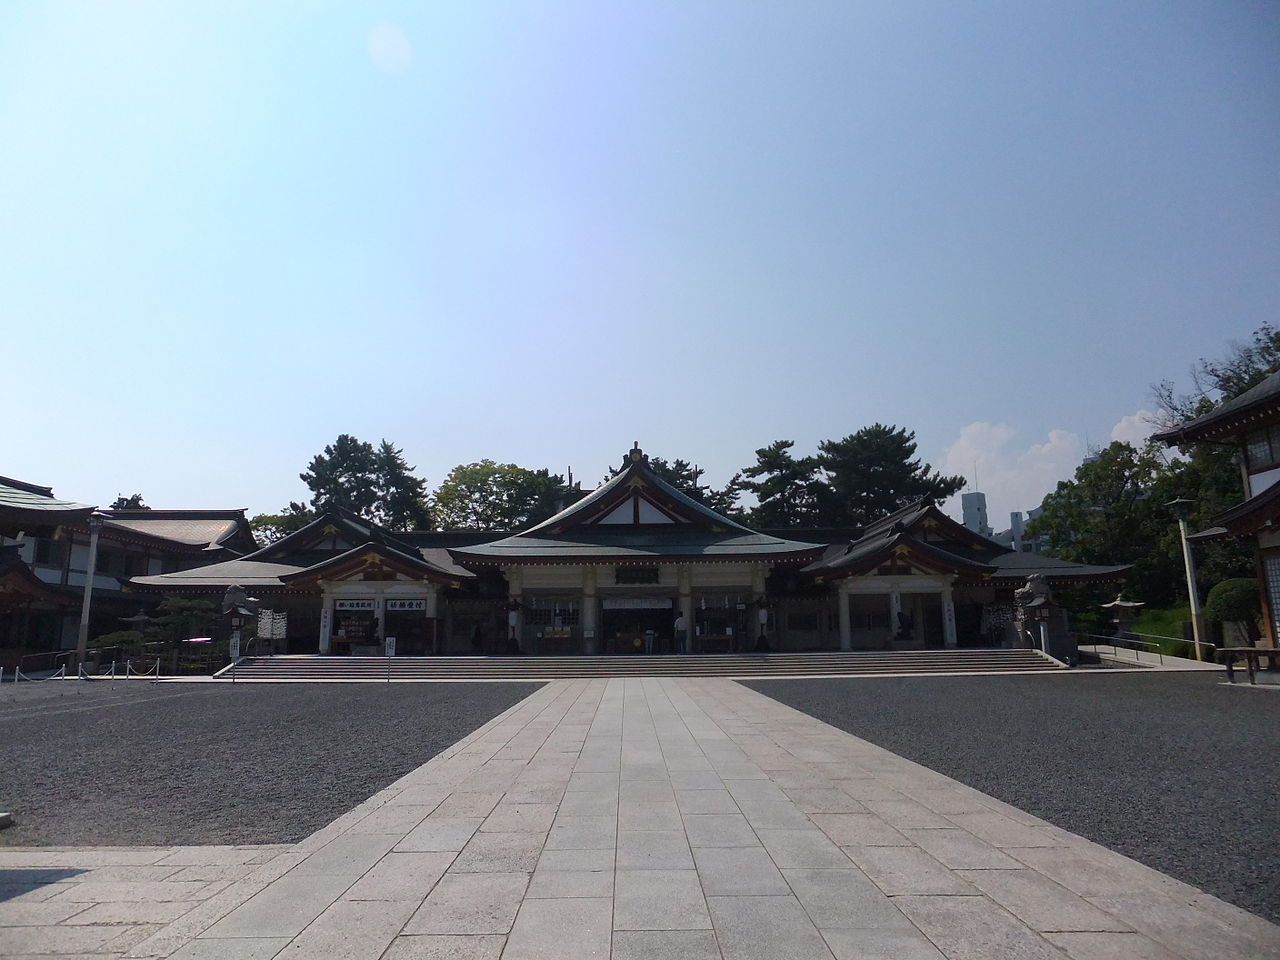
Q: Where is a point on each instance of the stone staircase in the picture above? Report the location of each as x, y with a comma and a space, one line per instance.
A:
293, 669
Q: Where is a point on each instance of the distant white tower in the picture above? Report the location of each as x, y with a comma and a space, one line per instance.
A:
973, 507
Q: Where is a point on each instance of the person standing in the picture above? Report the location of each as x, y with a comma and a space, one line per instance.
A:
682, 634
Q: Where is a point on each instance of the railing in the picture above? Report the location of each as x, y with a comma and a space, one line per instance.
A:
26, 665
1131, 637
1098, 640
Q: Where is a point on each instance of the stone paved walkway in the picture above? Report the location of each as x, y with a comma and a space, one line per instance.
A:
689, 819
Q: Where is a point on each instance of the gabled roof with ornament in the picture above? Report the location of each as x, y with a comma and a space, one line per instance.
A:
635, 517
338, 544
920, 538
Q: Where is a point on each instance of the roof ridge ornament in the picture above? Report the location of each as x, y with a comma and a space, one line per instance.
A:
635, 454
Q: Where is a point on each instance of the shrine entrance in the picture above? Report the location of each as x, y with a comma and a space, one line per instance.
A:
627, 621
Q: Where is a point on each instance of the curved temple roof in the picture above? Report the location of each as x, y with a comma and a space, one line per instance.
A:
636, 517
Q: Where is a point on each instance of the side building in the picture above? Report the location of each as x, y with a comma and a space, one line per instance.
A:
45, 553
1251, 424
624, 570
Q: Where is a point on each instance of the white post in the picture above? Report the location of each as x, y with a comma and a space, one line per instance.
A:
82, 638
948, 618
846, 626
1197, 629
326, 625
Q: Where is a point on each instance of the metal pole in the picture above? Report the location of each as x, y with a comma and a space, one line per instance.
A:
1192, 591
82, 639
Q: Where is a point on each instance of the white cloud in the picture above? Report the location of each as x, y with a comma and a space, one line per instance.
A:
389, 49
1012, 479
1135, 428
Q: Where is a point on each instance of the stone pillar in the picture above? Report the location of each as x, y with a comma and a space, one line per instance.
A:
948, 618
590, 612
846, 626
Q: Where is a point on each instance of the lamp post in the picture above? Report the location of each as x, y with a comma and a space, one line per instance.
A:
91, 569
1182, 510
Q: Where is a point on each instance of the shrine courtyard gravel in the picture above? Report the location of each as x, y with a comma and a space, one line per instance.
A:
133, 763
1177, 771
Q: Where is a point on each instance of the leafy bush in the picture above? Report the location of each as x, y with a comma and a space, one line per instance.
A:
1233, 601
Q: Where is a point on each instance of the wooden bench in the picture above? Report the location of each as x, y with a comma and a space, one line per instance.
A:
1252, 656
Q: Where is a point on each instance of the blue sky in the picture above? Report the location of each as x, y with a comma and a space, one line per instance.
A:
539, 231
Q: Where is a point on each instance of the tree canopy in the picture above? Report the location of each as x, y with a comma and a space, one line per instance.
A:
497, 496
374, 482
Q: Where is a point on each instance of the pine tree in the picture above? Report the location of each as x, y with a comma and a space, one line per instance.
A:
787, 490
344, 476
873, 472
401, 497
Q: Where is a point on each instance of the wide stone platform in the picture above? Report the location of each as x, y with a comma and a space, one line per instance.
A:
690, 818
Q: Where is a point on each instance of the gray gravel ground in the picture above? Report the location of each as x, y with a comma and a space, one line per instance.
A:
1177, 771
128, 763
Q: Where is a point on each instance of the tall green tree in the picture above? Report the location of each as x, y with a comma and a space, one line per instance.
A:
788, 490
1213, 381
497, 496
401, 497
874, 472
344, 476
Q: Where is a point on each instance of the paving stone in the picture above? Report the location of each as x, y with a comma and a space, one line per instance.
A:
705, 801
719, 830
282, 909
862, 829
738, 871
252, 948
905, 870
576, 929
665, 945
401, 876
756, 791
393, 818
843, 898
659, 900
802, 848
593, 782
520, 818
644, 790
880, 944
55, 939
500, 853
536, 792
823, 800
961, 850
466, 805
471, 903
907, 815
696, 780
557, 884
153, 891
132, 912
1193, 934
774, 815
1109, 946
1002, 831
36, 914
1040, 903
1081, 873
589, 804
223, 871
350, 855
599, 859
583, 833
351, 930
640, 814
974, 928
765, 928
439, 835
653, 850
864, 790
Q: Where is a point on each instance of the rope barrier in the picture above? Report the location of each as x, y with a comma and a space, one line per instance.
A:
61, 674
88, 676
149, 672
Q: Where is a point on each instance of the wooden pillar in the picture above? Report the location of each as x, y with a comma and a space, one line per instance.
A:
846, 625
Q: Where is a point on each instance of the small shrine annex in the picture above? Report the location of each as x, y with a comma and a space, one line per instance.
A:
634, 566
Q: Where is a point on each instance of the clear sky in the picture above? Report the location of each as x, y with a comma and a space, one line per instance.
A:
539, 231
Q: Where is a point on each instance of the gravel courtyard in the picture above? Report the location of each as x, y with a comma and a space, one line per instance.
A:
1176, 771
132, 763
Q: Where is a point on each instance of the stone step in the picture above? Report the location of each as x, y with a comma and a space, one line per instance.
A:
723, 665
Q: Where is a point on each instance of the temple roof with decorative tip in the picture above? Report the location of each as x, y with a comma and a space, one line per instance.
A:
921, 538
23, 503
635, 517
